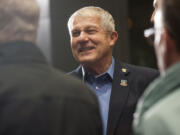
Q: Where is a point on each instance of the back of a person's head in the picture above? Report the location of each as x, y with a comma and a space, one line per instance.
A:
171, 19
18, 20
107, 21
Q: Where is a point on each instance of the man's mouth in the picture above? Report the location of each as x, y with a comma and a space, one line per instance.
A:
83, 49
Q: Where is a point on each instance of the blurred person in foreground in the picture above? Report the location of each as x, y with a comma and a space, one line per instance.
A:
117, 85
36, 99
159, 108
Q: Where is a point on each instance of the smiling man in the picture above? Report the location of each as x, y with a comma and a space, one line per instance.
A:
91, 44
117, 86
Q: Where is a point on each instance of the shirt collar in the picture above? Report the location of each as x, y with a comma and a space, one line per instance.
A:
109, 71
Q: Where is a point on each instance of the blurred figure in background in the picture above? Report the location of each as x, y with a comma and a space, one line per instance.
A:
36, 99
158, 109
117, 85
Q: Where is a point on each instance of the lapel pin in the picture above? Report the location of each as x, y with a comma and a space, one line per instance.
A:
124, 70
124, 83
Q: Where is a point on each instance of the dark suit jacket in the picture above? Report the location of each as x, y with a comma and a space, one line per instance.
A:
36, 99
124, 98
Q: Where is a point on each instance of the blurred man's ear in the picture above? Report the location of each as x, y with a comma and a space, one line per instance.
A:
169, 41
113, 38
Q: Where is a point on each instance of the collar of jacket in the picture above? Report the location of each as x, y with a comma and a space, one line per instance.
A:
20, 51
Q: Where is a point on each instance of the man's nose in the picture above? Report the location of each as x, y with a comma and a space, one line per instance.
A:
152, 17
83, 36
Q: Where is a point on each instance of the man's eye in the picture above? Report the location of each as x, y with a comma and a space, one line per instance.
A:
75, 33
92, 31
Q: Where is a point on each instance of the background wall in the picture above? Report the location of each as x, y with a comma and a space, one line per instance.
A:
44, 31
140, 12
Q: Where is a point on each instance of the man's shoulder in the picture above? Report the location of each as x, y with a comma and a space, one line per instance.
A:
46, 80
70, 86
160, 118
137, 75
47, 94
69, 89
138, 70
171, 99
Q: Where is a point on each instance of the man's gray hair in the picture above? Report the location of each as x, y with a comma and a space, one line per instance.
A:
18, 20
106, 19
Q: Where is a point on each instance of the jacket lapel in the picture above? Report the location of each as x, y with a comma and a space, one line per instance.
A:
119, 96
77, 72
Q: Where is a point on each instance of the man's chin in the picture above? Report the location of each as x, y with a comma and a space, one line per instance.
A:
86, 61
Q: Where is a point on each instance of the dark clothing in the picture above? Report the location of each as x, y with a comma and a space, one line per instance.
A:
128, 84
36, 99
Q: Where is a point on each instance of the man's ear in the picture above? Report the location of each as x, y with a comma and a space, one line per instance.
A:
169, 41
113, 38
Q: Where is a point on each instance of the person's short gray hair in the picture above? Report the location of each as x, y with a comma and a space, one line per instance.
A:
106, 19
18, 20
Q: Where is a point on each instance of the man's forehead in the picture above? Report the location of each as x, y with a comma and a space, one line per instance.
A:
80, 20
86, 17
156, 3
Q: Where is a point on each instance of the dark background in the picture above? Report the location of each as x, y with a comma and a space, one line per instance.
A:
131, 18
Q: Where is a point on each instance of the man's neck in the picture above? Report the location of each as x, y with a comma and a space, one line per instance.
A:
98, 68
171, 59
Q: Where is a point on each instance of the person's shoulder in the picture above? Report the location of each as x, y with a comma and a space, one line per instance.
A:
161, 118
76, 86
71, 89
142, 68
144, 75
139, 69
171, 99
58, 85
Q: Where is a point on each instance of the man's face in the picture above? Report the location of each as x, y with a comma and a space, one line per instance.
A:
159, 41
89, 41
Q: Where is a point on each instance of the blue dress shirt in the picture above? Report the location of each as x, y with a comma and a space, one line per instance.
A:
101, 85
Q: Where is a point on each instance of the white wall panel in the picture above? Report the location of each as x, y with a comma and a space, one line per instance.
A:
44, 31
